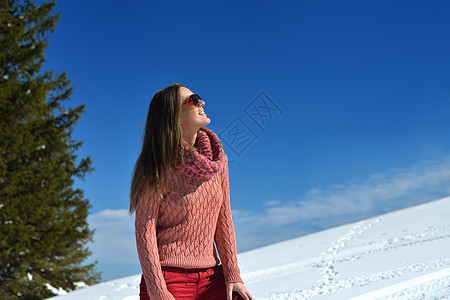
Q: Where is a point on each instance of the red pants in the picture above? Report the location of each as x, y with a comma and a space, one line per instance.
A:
191, 284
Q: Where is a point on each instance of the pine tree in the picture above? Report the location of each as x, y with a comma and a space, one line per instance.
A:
43, 217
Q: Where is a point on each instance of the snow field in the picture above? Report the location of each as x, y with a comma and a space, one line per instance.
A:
400, 255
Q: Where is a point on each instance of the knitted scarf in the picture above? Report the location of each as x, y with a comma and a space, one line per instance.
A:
208, 160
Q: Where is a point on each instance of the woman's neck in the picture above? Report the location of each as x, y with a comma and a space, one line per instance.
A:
190, 138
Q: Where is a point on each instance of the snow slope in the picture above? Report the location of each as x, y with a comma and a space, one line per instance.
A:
400, 255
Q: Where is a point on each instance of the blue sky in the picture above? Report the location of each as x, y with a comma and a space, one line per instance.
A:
344, 106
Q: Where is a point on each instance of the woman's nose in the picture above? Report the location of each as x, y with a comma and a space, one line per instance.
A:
201, 103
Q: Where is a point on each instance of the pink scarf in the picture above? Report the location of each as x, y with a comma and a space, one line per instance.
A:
208, 160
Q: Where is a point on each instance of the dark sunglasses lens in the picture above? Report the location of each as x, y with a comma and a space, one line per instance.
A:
196, 99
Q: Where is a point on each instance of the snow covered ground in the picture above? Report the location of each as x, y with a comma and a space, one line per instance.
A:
400, 255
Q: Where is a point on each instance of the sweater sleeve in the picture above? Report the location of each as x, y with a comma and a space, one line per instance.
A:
145, 228
225, 236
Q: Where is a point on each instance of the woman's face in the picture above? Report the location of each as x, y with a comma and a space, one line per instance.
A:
191, 119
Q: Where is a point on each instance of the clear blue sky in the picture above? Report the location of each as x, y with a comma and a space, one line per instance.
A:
362, 90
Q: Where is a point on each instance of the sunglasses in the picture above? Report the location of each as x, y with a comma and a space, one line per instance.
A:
194, 98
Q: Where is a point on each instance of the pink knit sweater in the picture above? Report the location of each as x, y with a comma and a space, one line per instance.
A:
194, 214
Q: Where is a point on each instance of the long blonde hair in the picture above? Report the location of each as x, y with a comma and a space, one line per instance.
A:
161, 144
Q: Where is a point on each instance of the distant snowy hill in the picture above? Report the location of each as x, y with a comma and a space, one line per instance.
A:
400, 255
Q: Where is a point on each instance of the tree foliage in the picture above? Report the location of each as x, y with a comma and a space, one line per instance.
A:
43, 218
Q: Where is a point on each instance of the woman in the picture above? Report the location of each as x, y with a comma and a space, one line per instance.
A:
180, 193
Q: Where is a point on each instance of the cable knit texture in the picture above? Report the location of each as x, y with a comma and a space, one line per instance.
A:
195, 213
